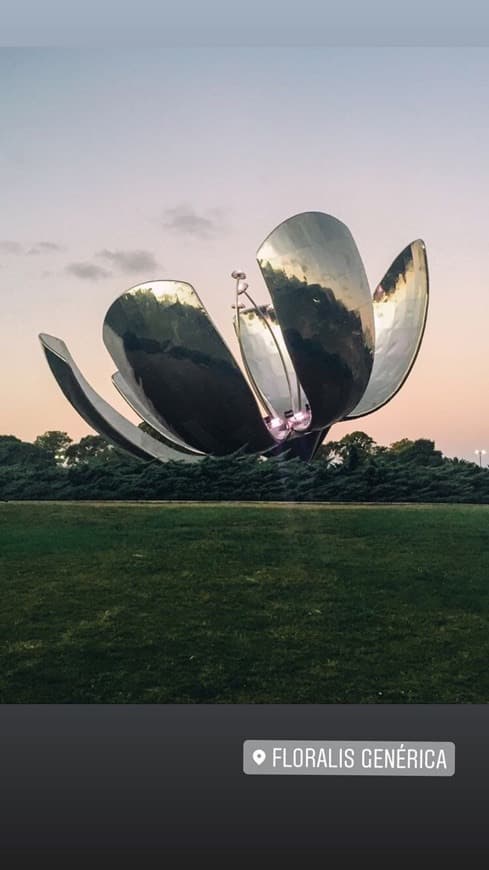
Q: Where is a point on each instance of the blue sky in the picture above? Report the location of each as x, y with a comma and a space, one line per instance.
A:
122, 165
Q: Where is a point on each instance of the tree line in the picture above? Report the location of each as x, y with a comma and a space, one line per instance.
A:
354, 468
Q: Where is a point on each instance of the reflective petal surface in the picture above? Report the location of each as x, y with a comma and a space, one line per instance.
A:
400, 305
269, 366
172, 357
145, 413
323, 304
98, 413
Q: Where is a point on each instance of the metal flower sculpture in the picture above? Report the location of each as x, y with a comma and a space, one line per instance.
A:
324, 350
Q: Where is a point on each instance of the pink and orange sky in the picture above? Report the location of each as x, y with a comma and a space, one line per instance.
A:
123, 166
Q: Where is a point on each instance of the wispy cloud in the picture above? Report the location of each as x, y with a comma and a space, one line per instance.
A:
8, 247
87, 271
129, 261
45, 248
50, 246
185, 221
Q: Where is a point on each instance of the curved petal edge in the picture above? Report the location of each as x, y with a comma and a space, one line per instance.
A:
400, 305
169, 352
321, 297
144, 412
98, 413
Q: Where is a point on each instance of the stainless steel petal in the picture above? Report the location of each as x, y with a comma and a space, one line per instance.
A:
171, 355
269, 366
98, 413
400, 305
321, 297
262, 359
146, 414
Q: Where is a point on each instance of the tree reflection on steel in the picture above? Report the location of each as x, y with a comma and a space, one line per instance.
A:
323, 349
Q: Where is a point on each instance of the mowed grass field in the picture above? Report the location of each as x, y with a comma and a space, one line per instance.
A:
149, 603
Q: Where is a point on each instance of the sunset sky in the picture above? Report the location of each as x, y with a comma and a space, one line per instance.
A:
120, 166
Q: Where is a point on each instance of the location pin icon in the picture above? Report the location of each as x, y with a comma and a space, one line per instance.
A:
259, 756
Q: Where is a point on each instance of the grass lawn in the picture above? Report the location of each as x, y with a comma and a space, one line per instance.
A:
150, 603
